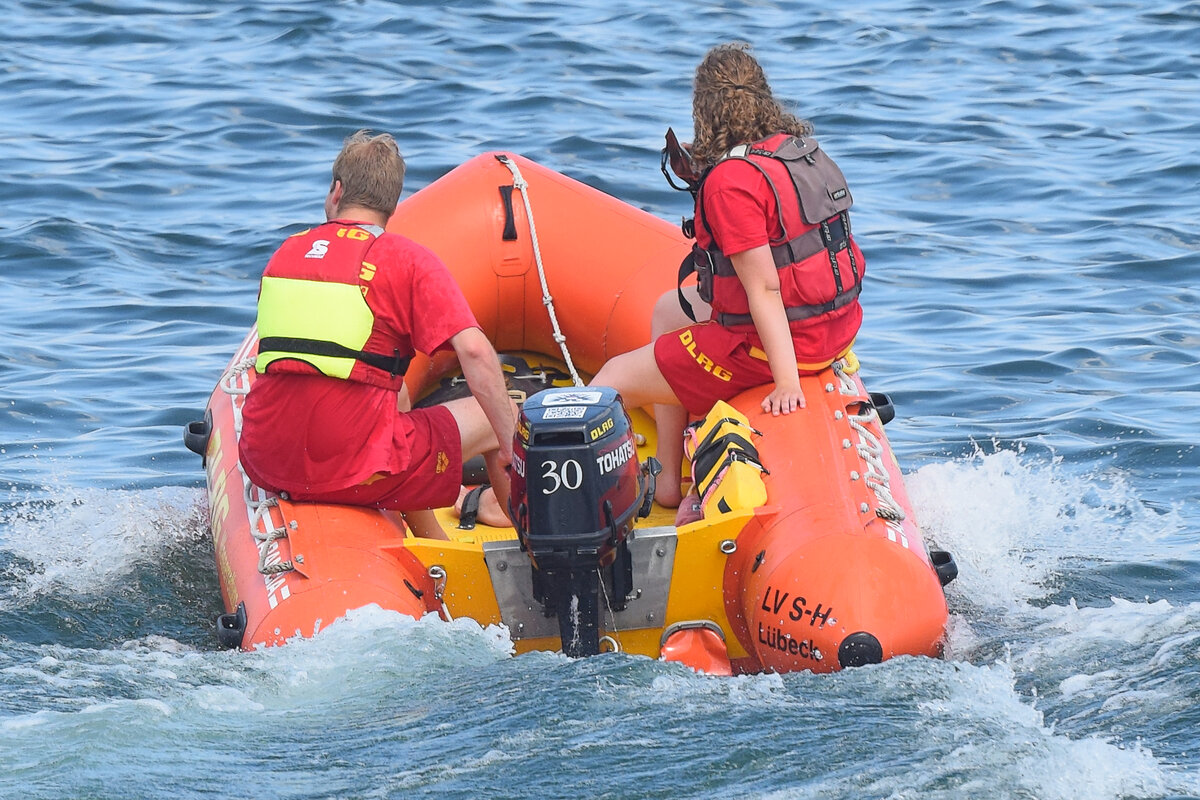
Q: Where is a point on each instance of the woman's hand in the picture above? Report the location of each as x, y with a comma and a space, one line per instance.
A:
783, 400
756, 270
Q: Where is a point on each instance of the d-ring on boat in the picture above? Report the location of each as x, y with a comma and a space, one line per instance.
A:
807, 556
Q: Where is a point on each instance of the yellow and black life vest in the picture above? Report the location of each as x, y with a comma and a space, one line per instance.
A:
312, 313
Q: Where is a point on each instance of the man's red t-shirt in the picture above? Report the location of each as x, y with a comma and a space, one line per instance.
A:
313, 433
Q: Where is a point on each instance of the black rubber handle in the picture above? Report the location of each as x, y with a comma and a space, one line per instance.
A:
510, 222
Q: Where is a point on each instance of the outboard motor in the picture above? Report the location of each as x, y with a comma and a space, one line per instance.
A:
577, 489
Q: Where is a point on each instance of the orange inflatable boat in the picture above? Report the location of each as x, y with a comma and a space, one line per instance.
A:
807, 556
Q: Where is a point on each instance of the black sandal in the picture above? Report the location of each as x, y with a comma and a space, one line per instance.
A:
470, 508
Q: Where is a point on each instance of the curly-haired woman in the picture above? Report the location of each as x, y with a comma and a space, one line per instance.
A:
778, 269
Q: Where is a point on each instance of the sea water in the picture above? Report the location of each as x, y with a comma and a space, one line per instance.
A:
1026, 183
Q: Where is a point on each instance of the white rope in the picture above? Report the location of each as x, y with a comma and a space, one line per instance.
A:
870, 450
520, 184
265, 532
236, 383
615, 636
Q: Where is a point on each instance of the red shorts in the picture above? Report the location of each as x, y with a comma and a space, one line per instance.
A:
707, 362
433, 477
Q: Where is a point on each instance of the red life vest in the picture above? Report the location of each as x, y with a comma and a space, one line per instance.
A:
821, 267
312, 310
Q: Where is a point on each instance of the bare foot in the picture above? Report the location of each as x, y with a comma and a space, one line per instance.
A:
489, 512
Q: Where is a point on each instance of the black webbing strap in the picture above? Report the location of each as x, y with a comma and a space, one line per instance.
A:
827, 236
705, 458
797, 312
805, 245
853, 263
469, 513
686, 267
725, 458
716, 429
394, 365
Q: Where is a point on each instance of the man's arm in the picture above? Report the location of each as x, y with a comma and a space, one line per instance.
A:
481, 368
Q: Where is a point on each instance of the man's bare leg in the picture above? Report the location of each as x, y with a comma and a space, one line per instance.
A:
423, 523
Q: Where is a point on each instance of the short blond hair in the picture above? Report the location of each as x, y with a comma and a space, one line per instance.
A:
371, 170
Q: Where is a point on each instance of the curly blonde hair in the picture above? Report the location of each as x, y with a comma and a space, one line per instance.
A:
732, 104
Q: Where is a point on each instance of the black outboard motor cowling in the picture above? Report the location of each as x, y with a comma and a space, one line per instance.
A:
577, 489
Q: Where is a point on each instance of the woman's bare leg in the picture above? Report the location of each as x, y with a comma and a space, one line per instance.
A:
636, 376
669, 422
671, 419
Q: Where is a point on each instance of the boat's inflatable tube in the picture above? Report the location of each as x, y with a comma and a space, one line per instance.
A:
606, 262
287, 569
